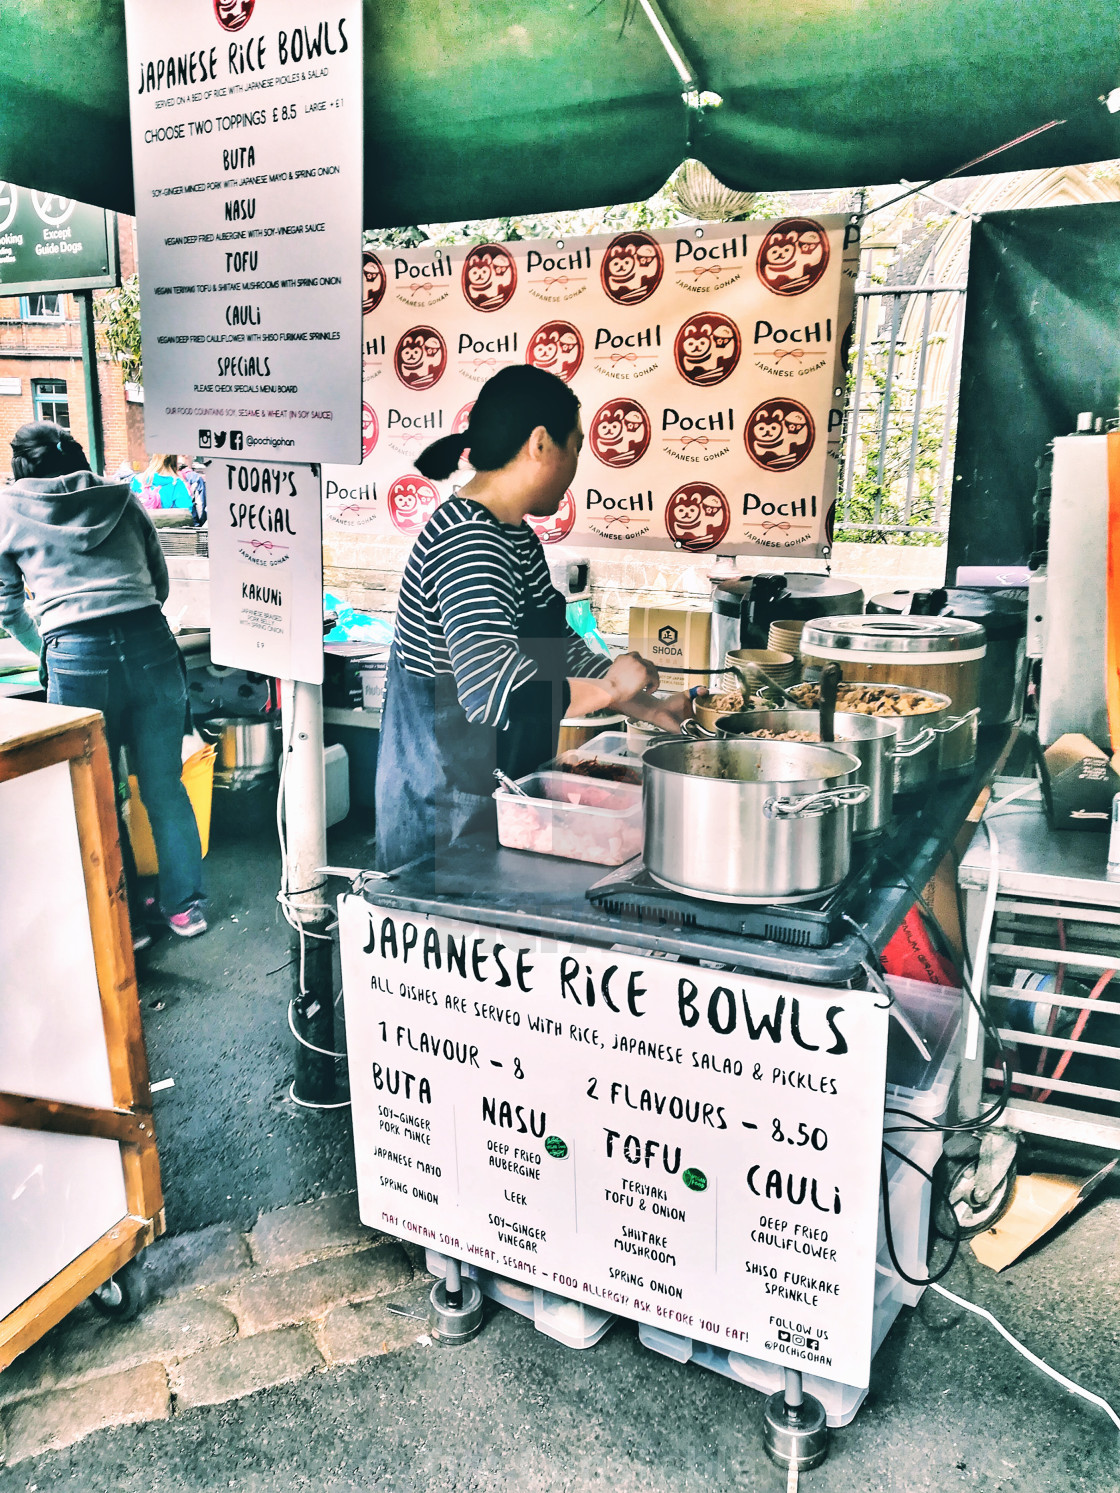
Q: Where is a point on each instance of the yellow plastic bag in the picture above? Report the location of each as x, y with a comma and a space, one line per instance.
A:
198, 780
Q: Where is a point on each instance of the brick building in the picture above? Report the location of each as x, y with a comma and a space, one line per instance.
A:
42, 376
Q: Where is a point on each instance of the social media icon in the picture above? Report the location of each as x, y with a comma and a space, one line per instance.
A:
783, 1336
205, 440
236, 440
219, 439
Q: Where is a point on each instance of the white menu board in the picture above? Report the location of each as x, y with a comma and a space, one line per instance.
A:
266, 568
687, 1147
247, 164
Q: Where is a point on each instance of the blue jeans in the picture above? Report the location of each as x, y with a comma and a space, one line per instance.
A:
129, 667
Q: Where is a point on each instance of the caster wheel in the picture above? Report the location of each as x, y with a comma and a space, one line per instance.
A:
124, 1295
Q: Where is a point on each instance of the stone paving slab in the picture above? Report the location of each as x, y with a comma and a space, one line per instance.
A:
311, 1290
245, 1366
367, 1329
304, 1232
58, 1419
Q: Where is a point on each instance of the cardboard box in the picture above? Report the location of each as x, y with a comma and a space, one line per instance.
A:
1078, 784
672, 634
343, 666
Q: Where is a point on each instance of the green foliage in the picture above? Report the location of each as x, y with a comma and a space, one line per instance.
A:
118, 318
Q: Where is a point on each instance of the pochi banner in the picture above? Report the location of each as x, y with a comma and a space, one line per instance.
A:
709, 362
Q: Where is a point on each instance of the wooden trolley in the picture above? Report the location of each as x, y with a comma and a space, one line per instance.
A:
80, 1191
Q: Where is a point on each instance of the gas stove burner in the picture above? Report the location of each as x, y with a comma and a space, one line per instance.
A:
630, 892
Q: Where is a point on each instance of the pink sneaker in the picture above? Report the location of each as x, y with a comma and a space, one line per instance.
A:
189, 923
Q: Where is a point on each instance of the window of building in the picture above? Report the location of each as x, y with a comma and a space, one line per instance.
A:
42, 308
51, 402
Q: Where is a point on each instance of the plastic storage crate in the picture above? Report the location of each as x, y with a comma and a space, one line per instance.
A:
582, 819
568, 1322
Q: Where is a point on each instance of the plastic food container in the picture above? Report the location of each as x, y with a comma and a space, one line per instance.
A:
581, 819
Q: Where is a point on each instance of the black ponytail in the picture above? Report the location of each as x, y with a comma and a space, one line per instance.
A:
509, 408
44, 449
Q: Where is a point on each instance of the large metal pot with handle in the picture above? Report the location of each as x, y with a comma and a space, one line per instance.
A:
749, 821
248, 747
870, 739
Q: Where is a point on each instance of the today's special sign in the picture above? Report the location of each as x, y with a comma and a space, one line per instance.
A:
690, 1148
709, 362
247, 162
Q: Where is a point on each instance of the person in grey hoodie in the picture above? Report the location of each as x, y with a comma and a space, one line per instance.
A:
81, 567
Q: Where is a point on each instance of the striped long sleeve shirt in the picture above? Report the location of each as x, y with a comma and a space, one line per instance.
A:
468, 583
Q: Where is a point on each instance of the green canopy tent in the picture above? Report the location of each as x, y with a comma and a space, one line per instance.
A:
477, 108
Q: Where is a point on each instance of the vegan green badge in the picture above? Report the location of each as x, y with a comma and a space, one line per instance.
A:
556, 1147
694, 1179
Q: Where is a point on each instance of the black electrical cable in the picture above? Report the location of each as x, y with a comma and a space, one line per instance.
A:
954, 1246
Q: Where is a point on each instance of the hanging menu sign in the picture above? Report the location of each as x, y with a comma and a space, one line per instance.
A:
266, 568
690, 1148
247, 163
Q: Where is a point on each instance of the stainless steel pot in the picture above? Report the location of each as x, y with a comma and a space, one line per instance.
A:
867, 737
749, 821
248, 747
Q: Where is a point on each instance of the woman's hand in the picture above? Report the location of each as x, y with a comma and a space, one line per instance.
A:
665, 714
628, 676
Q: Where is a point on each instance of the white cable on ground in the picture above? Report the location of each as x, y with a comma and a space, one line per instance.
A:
307, 1104
980, 1311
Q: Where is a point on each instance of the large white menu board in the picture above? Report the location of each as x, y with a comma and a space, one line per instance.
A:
688, 1147
266, 568
247, 164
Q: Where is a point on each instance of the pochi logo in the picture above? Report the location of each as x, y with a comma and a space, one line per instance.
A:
707, 348
420, 358
632, 268
697, 516
557, 348
373, 281
232, 15
779, 435
620, 433
411, 501
489, 277
793, 256
559, 526
369, 430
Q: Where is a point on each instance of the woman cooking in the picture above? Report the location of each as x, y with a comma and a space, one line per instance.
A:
484, 665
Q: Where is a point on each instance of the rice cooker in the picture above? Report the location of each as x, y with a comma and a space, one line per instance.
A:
743, 608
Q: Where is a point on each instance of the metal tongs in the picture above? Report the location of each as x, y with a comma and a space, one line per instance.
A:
509, 785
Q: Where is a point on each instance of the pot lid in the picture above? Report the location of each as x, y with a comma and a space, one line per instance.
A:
1003, 614
886, 633
798, 584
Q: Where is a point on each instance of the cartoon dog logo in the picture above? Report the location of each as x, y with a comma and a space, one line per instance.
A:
707, 348
697, 516
793, 256
559, 526
369, 429
632, 268
489, 277
779, 435
233, 14
373, 281
557, 348
462, 420
420, 358
620, 433
412, 501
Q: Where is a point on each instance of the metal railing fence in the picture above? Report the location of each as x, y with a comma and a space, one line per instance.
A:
900, 423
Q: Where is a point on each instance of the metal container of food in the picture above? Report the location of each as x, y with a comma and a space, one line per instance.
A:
868, 737
749, 821
940, 654
248, 747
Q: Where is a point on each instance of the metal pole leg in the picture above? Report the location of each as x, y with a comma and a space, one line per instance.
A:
794, 1430
457, 1306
